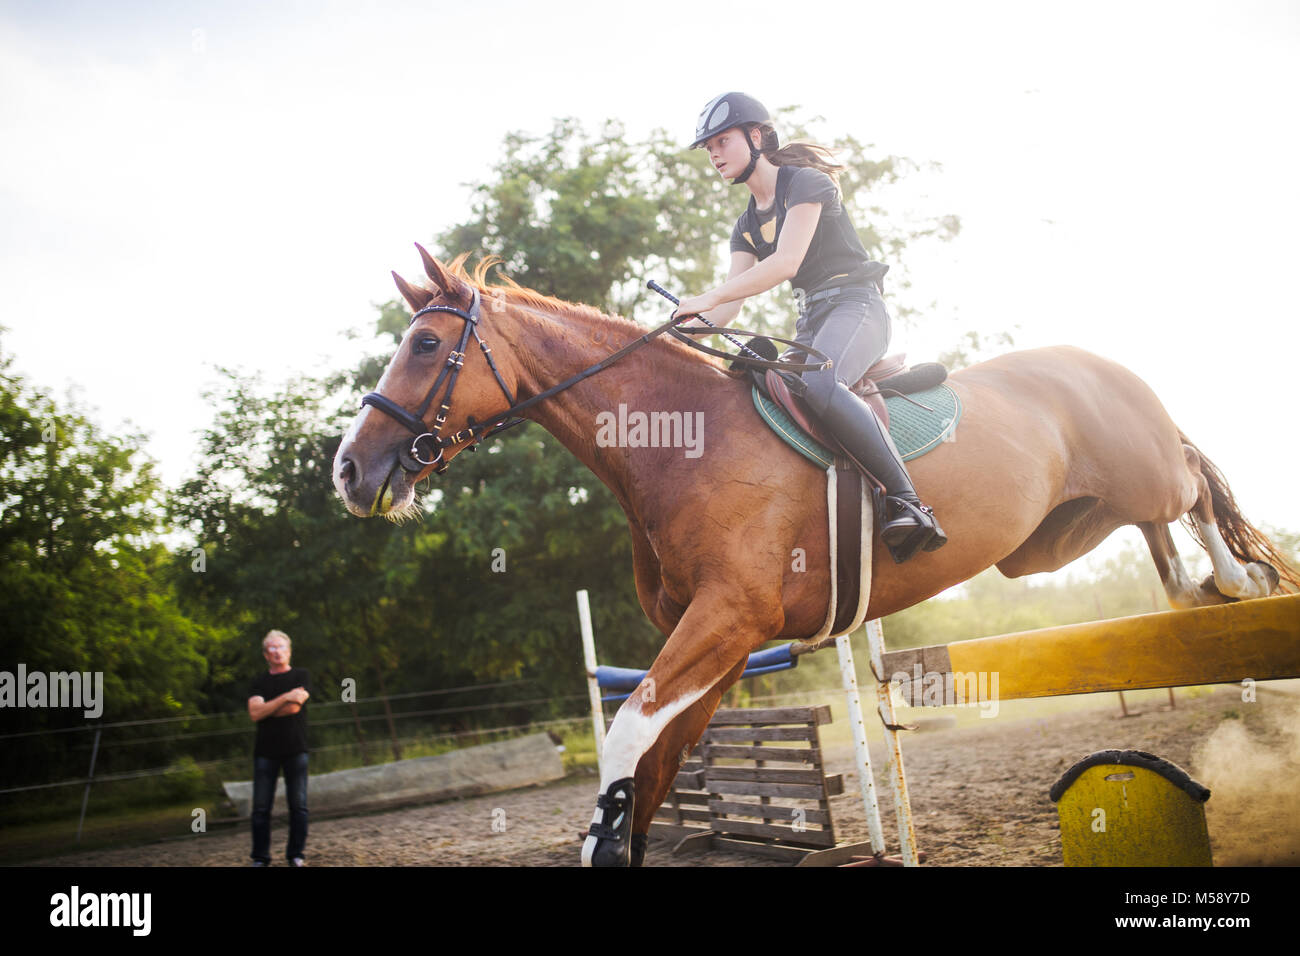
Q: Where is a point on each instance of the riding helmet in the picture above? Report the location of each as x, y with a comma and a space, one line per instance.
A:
725, 111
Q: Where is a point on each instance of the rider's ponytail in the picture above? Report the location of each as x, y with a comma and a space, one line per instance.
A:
813, 155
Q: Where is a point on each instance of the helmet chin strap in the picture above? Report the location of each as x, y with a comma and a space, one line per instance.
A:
753, 159
753, 162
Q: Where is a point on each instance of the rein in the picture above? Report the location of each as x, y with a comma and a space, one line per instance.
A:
476, 432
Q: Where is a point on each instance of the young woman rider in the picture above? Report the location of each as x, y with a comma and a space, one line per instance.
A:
796, 228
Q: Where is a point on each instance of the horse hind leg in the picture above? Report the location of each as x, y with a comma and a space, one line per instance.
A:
1179, 587
1234, 579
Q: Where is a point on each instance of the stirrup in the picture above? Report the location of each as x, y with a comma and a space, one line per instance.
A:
909, 547
915, 529
614, 844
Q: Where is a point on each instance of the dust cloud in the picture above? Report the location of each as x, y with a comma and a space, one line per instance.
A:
1251, 763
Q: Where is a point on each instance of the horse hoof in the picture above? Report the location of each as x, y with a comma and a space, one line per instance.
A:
1270, 575
612, 853
1208, 587
639, 842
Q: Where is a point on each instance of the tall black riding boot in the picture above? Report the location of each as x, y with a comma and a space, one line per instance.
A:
909, 526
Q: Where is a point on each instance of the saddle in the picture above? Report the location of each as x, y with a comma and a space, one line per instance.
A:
891, 374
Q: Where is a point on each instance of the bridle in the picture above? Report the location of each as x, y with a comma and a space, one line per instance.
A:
414, 421
475, 432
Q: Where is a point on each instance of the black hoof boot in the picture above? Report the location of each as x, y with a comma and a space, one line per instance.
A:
909, 528
639, 842
614, 831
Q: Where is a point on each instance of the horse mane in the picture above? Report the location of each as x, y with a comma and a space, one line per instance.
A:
515, 292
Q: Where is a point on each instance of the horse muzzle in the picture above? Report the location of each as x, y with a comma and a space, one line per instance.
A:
367, 492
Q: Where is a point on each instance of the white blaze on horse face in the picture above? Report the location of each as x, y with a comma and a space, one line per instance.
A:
630, 736
345, 446
382, 386
363, 416
1230, 577
351, 435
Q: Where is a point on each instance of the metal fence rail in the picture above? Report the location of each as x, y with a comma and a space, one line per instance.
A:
190, 742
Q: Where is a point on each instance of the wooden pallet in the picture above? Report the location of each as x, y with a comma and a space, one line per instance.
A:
755, 782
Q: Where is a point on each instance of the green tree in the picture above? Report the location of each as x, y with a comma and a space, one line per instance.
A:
279, 551
481, 588
587, 218
399, 608
590, 217
82, 576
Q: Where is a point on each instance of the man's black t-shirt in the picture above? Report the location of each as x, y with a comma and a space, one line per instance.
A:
281, 736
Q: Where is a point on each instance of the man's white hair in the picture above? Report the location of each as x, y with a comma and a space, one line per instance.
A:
272, 634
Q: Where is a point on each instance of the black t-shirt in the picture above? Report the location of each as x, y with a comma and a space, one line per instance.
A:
835, 252
281, 736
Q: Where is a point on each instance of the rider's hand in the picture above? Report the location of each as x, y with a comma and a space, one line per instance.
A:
693, 305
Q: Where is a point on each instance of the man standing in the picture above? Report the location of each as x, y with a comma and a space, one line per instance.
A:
276, 706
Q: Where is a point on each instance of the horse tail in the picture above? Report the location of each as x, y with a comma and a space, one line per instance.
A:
1244, 540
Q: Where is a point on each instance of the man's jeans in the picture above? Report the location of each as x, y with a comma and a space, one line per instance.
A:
265, 772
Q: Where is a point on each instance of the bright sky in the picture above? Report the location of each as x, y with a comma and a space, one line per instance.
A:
199, 184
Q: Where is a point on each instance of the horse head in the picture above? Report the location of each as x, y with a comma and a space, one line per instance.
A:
422, 413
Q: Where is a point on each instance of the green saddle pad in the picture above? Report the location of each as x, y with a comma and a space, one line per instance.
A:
915, 431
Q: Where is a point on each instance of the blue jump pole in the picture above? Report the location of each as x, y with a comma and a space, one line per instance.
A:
624, 680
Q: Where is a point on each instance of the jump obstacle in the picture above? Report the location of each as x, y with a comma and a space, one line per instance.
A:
782, 658
1224, 644
1129, 808
773, 753
1248, 640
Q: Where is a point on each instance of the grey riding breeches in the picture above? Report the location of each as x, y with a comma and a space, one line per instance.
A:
853, 328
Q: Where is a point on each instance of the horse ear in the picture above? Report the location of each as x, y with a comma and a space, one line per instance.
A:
415, 297
439, 275
432, 267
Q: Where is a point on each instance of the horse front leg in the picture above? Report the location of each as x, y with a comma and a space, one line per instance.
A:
665, 717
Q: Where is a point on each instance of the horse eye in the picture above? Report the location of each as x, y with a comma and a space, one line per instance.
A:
426, 344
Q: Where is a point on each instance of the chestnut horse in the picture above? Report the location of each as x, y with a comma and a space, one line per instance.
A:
1056, 449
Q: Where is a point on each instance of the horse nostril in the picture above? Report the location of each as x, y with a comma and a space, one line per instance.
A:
347, 471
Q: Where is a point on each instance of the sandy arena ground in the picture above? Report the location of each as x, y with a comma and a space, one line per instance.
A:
979, 797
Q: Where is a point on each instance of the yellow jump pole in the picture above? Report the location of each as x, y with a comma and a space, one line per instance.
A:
1228, 643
